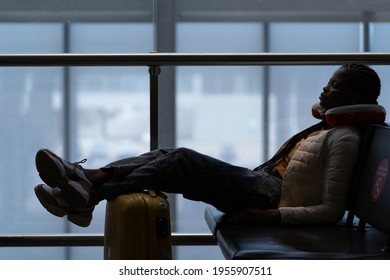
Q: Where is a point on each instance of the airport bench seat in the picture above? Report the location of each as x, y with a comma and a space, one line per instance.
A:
363, 234
296, 242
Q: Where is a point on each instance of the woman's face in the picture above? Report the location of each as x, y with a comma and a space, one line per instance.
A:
338, 92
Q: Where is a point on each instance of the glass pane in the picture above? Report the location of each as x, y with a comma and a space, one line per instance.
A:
111, 37
380, 42
218, 109
31, 38
312, 37
110, 105
32, 118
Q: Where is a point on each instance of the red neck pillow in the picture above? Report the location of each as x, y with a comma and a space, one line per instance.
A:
351, 114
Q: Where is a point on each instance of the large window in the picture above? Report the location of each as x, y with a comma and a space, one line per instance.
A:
239, 114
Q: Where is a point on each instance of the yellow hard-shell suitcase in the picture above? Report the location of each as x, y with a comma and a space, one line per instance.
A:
137, 227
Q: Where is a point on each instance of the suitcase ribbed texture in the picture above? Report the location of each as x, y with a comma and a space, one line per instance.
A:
138, 226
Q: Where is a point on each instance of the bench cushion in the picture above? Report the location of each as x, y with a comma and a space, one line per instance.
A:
295, 242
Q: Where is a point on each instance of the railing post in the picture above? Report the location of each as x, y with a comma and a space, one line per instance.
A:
154, 71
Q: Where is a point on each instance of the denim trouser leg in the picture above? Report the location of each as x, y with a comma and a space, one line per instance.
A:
196, 176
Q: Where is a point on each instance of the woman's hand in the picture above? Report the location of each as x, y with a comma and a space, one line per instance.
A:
257, 216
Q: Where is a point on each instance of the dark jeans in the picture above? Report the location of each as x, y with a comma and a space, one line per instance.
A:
197, 177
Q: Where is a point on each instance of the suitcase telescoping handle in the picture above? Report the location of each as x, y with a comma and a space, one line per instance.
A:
152, 192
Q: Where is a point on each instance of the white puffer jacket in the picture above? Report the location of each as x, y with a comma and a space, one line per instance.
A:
317, 179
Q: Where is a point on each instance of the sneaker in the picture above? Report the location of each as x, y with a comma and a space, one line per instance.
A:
69, 177
51, 199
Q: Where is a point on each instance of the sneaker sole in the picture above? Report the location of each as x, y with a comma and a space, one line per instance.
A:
79, 219
46, 200
82, 219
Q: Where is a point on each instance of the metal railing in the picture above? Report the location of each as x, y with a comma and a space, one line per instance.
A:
91, 240
192, 59
154, 61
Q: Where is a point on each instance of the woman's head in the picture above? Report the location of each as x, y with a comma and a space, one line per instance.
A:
351, 84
